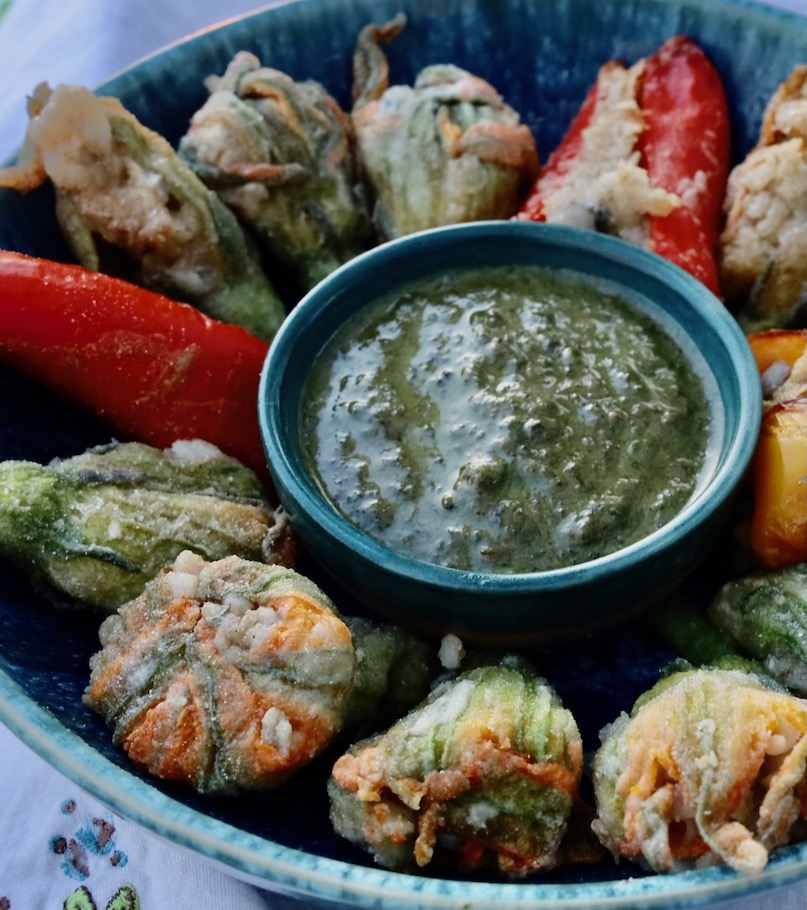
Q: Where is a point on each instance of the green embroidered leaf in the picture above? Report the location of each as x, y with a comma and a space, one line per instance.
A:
125, 898
80, 899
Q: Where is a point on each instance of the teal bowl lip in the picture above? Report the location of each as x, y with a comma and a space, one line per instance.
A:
294, 484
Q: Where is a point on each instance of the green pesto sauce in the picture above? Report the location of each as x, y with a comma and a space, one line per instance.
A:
511, 420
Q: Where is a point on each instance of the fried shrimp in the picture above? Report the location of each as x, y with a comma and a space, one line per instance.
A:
226, 676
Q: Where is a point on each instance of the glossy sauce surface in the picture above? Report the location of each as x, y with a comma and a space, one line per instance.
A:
507, 420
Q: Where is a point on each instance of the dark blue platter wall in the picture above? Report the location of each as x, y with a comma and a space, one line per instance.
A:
542, 56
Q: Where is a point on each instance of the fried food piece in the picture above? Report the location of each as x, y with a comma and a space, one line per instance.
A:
444, 151
605, 186
485, 771
709, 768
394, 671
763, 248
766, 615
225, 676
646, 158
696, 640
281, 154
128, 205
97, 527
781, 356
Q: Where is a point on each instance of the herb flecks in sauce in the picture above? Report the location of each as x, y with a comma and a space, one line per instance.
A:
507, 420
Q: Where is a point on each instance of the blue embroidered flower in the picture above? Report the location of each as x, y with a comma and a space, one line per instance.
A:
74, 864
97, 838
93, 838
118, 858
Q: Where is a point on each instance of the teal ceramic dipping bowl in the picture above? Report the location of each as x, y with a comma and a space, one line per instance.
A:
533, 606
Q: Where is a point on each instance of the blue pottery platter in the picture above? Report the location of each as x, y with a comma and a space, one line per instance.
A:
542, 56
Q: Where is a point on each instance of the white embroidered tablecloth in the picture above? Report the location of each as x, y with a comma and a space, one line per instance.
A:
59, 847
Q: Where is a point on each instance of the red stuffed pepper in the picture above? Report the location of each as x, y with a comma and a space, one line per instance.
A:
646, 158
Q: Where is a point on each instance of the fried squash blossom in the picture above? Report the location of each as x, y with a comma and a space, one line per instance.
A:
483, 773
710, 769
226, 676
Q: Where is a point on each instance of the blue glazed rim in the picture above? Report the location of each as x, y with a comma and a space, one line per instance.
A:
374, 273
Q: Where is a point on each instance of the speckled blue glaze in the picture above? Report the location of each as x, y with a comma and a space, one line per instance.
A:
542, 56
